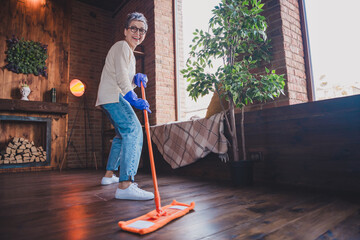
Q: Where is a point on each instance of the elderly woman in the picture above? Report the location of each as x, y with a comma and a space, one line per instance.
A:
116, 96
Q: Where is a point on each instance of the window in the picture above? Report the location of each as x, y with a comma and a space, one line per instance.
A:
196, 15
334, 35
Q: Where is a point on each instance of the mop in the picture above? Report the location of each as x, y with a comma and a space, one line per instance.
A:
161, 215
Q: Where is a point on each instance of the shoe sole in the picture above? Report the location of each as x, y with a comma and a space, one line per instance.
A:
134, 199
104, 184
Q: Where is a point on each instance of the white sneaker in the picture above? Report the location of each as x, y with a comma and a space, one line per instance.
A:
133, 192
109, 180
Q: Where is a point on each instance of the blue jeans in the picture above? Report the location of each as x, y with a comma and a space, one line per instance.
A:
127, 144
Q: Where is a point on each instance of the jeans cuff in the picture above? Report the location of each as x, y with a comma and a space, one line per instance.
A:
126, 178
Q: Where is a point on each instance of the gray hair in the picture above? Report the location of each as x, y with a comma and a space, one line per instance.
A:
135, 16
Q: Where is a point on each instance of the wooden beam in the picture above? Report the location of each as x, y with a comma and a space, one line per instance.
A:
14, 105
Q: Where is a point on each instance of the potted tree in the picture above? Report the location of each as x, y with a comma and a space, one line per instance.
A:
237, 35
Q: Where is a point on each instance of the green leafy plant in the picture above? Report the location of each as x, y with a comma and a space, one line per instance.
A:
237, 35
24, 83
27, 57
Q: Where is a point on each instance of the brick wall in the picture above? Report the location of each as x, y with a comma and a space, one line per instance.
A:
95, 30
294, 51
165, 61
91, 37
148, 46
284, 30
159, 55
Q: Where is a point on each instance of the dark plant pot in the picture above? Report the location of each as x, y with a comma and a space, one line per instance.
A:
242, 173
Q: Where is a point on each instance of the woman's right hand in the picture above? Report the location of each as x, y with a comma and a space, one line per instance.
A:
136, 102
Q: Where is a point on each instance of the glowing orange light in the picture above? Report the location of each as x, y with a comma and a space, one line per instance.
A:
77, 88
36, 2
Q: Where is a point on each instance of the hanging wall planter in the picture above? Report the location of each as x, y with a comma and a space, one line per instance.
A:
27, 57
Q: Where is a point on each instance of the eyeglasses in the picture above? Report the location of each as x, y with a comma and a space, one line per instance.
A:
134, 29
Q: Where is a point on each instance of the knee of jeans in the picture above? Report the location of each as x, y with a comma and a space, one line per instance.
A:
135, 131
139, 132
137, 128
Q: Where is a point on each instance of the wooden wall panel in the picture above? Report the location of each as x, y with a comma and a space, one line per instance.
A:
42, 21
312, 144
32, 131
48, 22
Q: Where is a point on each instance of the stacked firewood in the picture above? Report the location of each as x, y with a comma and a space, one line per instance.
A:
20, 150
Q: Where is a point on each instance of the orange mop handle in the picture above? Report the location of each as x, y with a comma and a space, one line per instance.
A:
151, 155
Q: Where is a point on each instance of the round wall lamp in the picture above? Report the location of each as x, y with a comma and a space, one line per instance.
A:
77, 87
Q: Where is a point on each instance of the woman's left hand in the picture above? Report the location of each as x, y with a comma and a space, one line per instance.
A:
140, 77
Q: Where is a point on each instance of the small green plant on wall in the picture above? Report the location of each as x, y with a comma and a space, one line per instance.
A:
24, 83
27, 57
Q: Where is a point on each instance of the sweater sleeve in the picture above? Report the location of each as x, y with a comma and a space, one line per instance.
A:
122, 57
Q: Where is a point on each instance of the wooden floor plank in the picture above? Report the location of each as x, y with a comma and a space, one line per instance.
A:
224, 217
348, 229
312, 225
269, 222
73, 205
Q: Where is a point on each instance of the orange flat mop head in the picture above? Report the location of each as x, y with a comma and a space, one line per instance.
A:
152, 221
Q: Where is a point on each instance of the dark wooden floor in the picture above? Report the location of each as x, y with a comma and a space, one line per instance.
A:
73, 205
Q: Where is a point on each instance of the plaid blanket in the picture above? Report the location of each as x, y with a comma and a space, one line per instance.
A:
182, 143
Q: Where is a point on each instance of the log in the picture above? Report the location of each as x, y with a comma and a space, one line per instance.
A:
21, 150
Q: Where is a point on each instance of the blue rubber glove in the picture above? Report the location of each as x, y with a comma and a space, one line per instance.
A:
140, 77
136, 102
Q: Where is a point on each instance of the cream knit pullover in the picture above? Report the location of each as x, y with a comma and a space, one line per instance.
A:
117, 75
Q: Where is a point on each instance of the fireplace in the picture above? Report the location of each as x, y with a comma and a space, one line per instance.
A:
44, 123
34, 132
